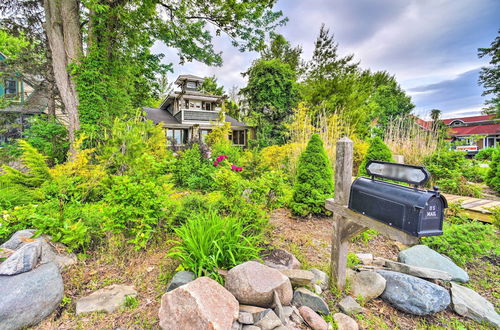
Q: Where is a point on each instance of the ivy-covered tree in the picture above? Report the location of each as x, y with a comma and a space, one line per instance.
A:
377, 150
272, 93
314, 182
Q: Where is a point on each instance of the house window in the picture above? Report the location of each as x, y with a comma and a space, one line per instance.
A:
238, 137
203, 134
10, 87
191, 85
186, 104
177, 135
207, 106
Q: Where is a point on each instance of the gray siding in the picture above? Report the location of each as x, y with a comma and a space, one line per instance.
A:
178, 116
200, 116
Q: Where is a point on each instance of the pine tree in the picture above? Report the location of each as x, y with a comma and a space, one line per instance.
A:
314, 182
376, 151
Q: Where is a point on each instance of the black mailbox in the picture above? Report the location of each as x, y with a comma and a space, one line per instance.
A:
415, 211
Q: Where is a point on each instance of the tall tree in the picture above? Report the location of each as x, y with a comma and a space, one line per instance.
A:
280, 48
62, 27
211, 86
489, 76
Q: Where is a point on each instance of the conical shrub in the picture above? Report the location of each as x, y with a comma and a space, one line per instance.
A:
377, 150
314, 182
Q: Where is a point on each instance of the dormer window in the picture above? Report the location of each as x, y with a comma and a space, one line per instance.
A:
456, 123
10, 87
191, 85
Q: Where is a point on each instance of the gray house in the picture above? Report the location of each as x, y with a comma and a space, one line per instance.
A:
189, 114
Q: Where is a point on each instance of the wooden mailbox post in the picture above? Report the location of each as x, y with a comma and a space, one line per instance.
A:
347, 223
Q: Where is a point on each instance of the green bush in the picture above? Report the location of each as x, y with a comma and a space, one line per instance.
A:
209, 242
464, 242
493, 177
485, 154
474, 172
449, 171
376, 151
314, 182
193, 171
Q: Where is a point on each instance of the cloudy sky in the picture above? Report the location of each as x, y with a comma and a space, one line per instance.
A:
429, 45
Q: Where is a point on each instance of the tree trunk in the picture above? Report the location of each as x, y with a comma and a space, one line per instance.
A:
62, 19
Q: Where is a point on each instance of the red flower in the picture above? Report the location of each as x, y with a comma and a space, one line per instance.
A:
216, 163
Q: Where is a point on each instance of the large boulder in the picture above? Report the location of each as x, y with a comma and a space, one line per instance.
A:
467, 302
253, 283
200, 304
304, 297
350, 306
320, 279
281, 259
423, 256
345, 322
107, 299
413, 295
368, 285
29, 297
22, 260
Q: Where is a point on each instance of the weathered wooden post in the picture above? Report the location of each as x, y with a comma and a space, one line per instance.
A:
343, 228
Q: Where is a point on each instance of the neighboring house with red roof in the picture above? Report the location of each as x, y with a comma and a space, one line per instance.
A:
464, 128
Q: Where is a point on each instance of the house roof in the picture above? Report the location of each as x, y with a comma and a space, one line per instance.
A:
157, 115
190, 77
489, 129
471, 119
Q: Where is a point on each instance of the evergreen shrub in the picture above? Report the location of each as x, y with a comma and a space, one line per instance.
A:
377, 150
485, 154
314, 181
493, 177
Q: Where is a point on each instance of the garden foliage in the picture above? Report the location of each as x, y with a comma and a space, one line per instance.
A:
314, 182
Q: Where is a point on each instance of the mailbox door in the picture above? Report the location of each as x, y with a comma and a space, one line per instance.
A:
431, 217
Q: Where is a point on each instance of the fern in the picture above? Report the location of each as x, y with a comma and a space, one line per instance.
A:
36, 164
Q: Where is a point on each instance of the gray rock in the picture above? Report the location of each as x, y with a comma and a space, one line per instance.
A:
5, 253
278, 307
281, 259
304, 297
349, 306
23, 260
254, 284
18, 239
180, 278
250, 327
320, 278
245, 318
269, 321
107, 299
28, 298
296, 317
298, 277
413, 295
49, 255
253, 310
317, 289
429, 273
345, 322
237, 326
467, 302
365, 258
369, 285
423, 256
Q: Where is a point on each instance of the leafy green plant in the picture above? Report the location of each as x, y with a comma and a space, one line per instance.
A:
209, 242
193, 171
36, 163
352, 260
314, 182
464, 242
131, 302
376, 151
